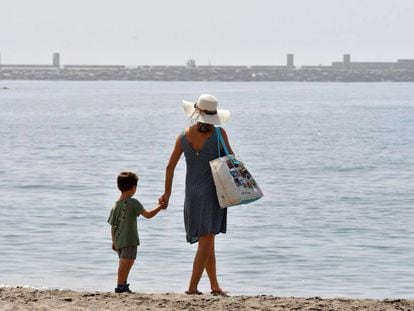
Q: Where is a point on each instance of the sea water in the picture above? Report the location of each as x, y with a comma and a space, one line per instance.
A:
335, 162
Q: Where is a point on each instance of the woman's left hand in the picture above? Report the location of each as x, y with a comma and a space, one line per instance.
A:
163, 200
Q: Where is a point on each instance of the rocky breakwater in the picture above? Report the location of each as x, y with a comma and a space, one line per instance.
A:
208, 73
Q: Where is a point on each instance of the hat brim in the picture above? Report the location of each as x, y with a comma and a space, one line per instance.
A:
220, 118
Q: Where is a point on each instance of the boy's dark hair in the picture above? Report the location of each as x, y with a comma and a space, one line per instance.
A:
126, 181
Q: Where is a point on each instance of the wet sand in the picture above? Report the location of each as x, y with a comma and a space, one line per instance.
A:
36, 299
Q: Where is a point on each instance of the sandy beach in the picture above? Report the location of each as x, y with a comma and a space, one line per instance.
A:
36, 299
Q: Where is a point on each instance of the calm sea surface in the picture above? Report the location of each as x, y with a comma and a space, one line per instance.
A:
335, 161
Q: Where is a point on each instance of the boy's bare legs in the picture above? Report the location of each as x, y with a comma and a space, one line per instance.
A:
125, 266
200, 261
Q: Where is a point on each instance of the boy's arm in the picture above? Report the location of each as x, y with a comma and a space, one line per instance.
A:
153, 212
113, 238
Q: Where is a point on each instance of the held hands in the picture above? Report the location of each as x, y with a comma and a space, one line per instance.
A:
161, 205
163, 200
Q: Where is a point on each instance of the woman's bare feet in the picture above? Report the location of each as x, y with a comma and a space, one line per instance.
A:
193, 292
219, 292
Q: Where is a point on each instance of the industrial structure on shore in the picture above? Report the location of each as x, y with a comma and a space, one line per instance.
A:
346, 70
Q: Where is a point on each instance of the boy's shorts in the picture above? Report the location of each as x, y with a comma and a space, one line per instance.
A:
127, 252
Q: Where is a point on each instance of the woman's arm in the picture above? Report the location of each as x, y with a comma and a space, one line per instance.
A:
169, 172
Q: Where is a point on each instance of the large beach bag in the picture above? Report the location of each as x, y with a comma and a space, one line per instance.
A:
234, 184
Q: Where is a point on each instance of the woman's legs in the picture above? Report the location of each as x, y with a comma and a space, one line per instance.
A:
205, 259
205, 244
211, 268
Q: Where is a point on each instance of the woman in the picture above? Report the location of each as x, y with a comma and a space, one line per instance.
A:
203, 217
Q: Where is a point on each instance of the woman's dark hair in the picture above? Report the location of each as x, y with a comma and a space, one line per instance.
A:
126, 181
204, 127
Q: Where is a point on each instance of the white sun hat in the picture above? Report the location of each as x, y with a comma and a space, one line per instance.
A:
205, 110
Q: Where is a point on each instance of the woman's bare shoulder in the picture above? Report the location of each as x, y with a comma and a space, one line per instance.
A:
182, 134
223, 131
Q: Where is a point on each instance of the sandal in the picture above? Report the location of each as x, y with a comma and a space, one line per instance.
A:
124, 288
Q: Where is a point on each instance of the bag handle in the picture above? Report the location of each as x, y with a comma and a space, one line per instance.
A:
221, 142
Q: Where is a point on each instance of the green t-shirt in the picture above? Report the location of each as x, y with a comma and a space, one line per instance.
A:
123, 219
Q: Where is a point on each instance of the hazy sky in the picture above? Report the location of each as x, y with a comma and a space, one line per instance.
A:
231, 32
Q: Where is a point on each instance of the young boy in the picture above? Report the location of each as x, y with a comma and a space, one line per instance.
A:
124, 231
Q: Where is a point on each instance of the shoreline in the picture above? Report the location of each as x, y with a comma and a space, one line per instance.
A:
219, 73
20, 298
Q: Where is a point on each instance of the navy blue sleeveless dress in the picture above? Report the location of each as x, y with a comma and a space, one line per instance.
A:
202, 212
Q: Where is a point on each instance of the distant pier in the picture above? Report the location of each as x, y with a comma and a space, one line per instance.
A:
345, 71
